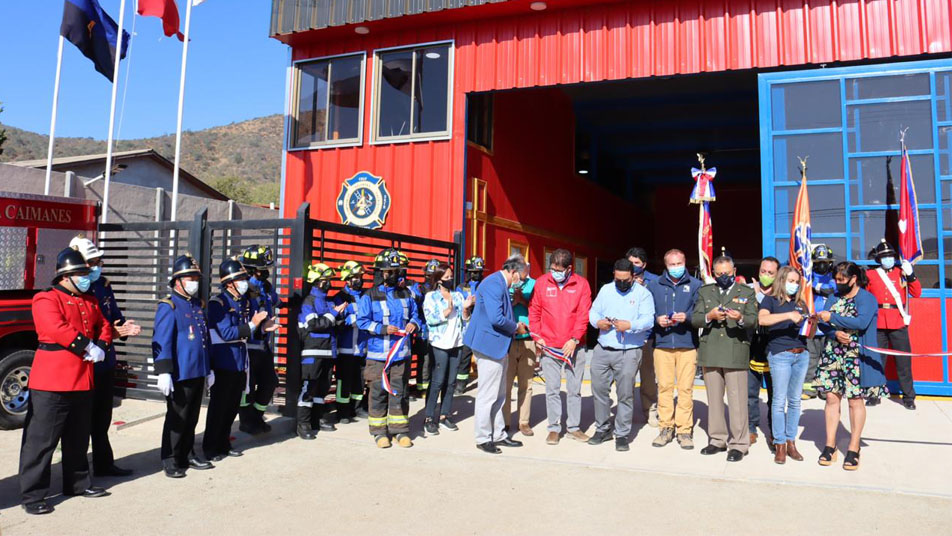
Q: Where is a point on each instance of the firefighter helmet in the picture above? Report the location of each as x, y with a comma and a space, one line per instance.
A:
70, 262
184, 265
431, 266
883, 249
257, 256
317, 271
231, 270
350, 269
86, 247
388, 259
475, 264
822, 252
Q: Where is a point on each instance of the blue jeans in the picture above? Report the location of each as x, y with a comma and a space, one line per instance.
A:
788, 371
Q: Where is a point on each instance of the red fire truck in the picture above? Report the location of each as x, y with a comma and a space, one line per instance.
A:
33, 229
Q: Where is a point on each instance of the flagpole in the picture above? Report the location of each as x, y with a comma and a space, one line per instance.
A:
112, 113
181, 104
56, 84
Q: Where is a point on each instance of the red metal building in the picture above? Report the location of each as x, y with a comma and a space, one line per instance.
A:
570, 123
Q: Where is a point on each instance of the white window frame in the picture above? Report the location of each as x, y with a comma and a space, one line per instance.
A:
375, 106
295, 101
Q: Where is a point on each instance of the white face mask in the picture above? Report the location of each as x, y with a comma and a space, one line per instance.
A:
191, 287
241, 287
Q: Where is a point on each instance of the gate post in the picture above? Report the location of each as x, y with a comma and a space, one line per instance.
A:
457, 263
301, 248
196, 246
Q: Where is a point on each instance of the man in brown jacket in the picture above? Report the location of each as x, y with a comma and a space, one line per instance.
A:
726, 312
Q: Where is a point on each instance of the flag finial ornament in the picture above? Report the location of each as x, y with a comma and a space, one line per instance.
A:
703, 183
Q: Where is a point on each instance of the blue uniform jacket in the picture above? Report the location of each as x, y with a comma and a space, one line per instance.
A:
872, 372
492, 324
317, 327
350, 339
180, 341
419, 293
230, 330
110, 311
823, 288
268, 300
394, 307
677, 297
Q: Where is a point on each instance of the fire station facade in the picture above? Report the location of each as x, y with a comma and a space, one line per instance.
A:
529, 126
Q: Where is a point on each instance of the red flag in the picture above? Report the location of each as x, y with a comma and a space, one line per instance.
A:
165, 10
801, 249
705, 241
910, 242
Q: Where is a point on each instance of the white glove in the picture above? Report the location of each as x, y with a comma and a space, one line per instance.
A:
165, 384
906, 268
210, 379
94, 353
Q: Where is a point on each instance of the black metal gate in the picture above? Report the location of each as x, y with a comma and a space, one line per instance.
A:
138, 259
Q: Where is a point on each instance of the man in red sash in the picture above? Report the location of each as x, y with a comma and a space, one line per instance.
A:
72, 335
893, 284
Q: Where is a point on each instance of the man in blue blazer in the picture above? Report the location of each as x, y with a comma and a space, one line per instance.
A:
489, 335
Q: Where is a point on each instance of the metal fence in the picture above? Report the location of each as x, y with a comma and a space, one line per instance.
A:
138, 257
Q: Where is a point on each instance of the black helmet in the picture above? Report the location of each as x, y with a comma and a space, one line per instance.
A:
231, 270
69, 262
822, 252
388, 259
257, 256
431, 266
475, 264
883, 249
184, 265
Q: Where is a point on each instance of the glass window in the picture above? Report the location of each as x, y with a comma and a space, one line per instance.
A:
328, 101
806, 105
945, 151
875, 127
943, 93
479, 122
878, 87
413, 90
827, 214
872, 183
870, 226
928, 275
946, 192
825, 152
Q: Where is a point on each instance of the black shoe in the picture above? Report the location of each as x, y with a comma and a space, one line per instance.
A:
711, 449
199, 463
218, 457
173, 471
37, 508
248, 428
735, 455
489, 447
507, 442
431, 427
234, 453
460, 389
870, 402
90, 493
621, 444
909, 404
304, 432
445, 422
327, 426
600, 437
113, 470
345, 420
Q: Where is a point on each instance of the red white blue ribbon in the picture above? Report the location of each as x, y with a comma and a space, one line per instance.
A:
554, 353
391, 357
889, 351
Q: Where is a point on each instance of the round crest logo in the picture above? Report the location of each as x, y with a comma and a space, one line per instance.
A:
364, 201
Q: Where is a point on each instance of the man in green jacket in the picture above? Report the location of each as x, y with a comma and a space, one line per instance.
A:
726, 312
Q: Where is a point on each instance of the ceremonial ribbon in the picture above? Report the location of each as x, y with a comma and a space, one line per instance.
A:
555, 353
887, 351
391, 356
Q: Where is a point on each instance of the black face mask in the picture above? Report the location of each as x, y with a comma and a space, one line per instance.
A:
822, 268
623, 286
842, 289
476, 276
356, 283
638, 270
446, 283
324, 285
263, 274
390, 280
725, 281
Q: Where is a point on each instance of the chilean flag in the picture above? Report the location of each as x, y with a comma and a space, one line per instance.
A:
801, 248
910, 242
165, 10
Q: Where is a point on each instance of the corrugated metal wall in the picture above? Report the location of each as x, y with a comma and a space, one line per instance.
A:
594, 43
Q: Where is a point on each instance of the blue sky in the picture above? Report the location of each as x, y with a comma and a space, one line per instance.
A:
235, 71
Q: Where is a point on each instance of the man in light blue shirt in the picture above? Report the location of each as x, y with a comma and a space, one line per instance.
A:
623, 312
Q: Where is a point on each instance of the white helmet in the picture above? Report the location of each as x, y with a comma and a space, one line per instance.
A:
86, 247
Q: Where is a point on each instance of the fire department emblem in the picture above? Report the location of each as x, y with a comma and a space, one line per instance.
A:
364, 201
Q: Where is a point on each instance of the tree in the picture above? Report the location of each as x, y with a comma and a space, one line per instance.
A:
3, 132
233, 187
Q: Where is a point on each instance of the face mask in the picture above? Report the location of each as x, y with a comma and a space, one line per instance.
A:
94, 273
446, 283
263, 274
766, 280
191, 287
792, 288
724, 281
559, 276
324, 285
82, 283
476, 276
822, 268
888, 262
356, 283
842, 289
623, 286
517, 286
638, 270
241, 287
390, 280
676, 272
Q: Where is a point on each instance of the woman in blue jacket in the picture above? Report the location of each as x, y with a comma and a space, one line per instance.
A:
847, 368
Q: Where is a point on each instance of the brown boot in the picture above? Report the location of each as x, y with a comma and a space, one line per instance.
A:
525, 430
780, 455
793, 452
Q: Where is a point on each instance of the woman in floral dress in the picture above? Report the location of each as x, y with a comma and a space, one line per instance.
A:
847, 369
